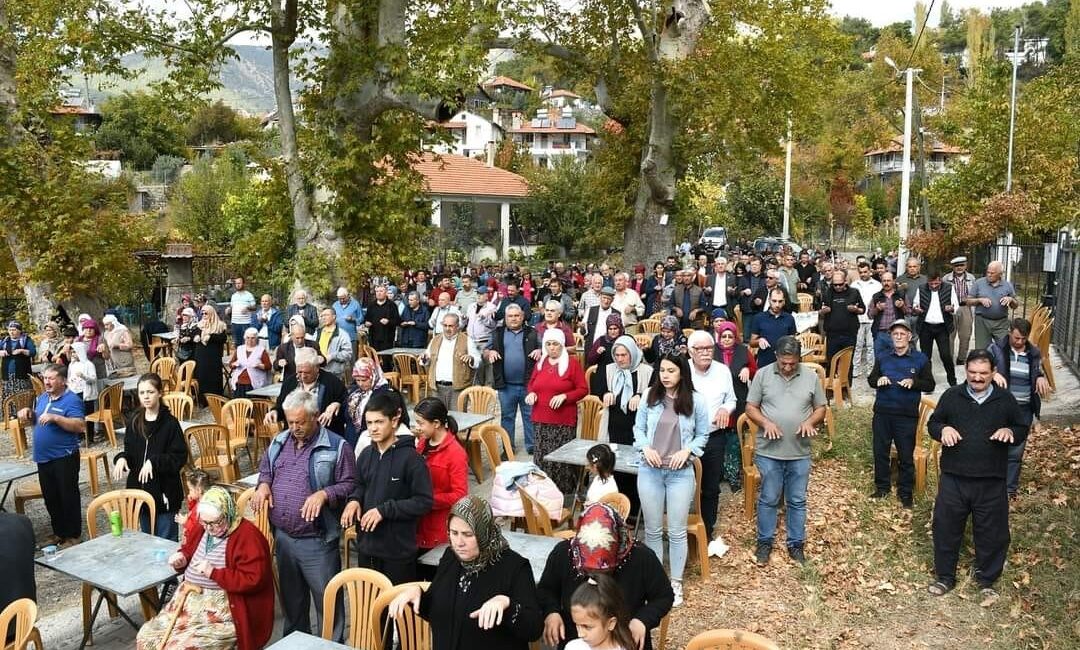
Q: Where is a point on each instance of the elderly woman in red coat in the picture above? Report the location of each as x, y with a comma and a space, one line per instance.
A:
229, 559
555, 388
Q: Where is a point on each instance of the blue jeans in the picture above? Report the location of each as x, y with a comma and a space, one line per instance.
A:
675, 488
789, 477
238, 333
511, 398
165, 525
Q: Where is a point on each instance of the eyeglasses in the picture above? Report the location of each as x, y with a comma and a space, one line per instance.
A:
220, 521
699, 348
842, 284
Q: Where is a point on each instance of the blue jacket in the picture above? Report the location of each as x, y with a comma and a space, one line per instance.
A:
414, 336
322, 463
1002, 361
695, 430
894, 399
274, 325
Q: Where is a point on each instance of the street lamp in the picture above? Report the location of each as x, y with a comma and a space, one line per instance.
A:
905, 178
787, 186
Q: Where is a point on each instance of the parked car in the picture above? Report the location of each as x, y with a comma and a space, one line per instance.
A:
764, 245
711, 241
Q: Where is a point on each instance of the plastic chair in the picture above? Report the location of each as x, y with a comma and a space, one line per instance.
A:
215, 403
26, 491
19, 617
538, 519
589, 372
410, 375
921, 455
644, 339
181, 405
837, 381
747, 431
348, 538
236, 417
649, 326
619, 501
362, 587
264, 433
92, 457
491, 435
165, 367
10, 421
39, 386
590, 410
130, 504
213, 454
476, 399
695, 525
812, 341
261, 520
185, 378
109, 403
413, 632
730, 640
806, 302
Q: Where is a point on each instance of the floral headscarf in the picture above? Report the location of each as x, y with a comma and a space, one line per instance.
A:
622, 384
602, 543
476, 512
217, 502
670, 346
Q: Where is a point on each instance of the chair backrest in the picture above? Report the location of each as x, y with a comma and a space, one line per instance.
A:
235, 415
362, 587
478, 399
591, 408
181, 405
537, 521
730, 640
407, 364
926, 409
806, 302
185, 377
841, 365
819, 369
165, 367
687, 331
259, 409
747, 431
215, 402
413, 632
39, 386
579, 340
491, 435
111, 400
649, 326
261, 519
810, 339
370, 353
129, 503
644, 339
13, 403
619, 501
207, 439
697, 486
23, 613
589, 372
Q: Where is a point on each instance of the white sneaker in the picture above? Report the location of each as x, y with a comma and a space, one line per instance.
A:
676, 586
717, 547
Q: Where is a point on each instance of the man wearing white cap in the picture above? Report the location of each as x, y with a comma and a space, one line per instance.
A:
961, 281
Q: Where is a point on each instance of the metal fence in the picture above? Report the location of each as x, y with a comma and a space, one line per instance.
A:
1066, 334
1026, 262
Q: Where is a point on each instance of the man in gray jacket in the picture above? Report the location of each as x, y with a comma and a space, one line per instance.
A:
334, 344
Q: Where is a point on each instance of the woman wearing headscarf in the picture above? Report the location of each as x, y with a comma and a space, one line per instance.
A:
555, 387
185, 303
599, 353
483, 594
208, 352
17, 352
250, 365
229, 559
49, 348
670, 340
186, 332
82, 380
368, 380
736, 356
623, 383
118, 338
97, 350
603, 544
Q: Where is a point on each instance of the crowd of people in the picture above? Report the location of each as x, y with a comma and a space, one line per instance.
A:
352, 453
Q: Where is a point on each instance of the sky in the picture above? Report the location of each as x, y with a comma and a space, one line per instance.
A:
884, 13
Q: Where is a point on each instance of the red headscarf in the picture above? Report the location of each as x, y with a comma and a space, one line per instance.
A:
602, 543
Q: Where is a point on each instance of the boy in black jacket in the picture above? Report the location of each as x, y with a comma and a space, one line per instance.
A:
393, 491
975, 422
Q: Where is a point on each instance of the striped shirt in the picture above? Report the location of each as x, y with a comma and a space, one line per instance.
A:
959, 283
1020, 377
216, 558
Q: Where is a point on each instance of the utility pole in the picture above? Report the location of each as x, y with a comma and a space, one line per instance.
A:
924, 182
787, 186
905, 179
1007, 237
941, 106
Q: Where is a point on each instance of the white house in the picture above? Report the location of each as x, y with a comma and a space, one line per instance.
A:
559, 99
471, 134
546, 138
888, 161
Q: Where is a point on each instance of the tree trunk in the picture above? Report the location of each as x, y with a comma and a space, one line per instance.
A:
648, 235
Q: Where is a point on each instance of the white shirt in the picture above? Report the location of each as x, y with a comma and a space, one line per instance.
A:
444, 369
435, 322
866, 291
601, 321
599, 488
239, 304
716, 387
719, 294
933, 312
627, 298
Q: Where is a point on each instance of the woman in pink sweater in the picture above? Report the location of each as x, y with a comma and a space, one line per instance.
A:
555, 388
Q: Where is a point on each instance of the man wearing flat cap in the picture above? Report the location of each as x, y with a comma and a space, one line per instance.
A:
961, 281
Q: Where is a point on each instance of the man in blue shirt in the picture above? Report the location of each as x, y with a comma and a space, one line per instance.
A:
769, 325
511, 365
58, 423
349, 314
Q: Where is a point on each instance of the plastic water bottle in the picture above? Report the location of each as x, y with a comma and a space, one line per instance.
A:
115, 524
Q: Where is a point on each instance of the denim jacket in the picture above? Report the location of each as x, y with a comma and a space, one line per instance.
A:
695, 430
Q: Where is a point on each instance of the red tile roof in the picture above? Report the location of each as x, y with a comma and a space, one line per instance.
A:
564, 93
896, 145
527, 127
72, 110
452, 125
458, 175
495, 82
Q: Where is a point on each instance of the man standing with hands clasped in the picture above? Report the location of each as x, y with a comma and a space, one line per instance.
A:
304, 478
976, 423
900, 377
787, 403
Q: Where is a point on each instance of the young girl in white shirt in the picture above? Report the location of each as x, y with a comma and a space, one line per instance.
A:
602, 467
599, 616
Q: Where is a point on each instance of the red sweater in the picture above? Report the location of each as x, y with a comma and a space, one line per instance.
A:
546, 383
248, 581
449, 470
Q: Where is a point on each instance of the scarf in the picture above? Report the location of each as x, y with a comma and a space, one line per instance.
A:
669, 346
217, 502
728, 353
622, 384
602, 543
476, 512
91, 343
211, 324
563, 362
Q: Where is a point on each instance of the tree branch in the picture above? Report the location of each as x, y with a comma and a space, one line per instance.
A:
551, 49
648, 36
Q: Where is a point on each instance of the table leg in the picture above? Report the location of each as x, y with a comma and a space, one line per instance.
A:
93, 617
4, 499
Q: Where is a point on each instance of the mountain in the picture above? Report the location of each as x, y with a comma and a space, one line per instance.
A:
247, 82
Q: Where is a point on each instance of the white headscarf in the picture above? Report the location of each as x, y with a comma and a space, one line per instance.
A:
563, 362
117, 326
622, 384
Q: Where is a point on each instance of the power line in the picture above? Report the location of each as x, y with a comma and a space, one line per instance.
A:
918, 36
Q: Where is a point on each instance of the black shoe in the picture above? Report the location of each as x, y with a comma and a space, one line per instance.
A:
907, 503
879, 494
796, 553
762, 553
